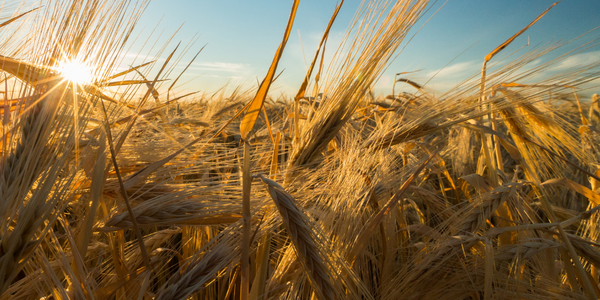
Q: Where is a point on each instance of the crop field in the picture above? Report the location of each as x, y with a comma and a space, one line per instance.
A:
112, 186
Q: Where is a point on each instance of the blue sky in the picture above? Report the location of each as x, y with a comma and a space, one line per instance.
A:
241, 37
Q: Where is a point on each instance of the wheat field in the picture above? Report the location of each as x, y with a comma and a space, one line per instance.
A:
114, 187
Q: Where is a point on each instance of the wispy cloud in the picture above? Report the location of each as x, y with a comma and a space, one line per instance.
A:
214, 66
132, 54
536, 62
455, 69
219, 67
577, 60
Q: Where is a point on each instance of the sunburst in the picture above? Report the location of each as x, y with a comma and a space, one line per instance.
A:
76, 72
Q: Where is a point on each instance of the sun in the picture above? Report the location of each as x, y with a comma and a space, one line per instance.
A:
76, 72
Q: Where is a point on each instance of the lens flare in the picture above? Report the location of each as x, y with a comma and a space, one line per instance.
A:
76, 72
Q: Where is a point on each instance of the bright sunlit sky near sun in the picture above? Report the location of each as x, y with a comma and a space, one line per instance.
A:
241, 37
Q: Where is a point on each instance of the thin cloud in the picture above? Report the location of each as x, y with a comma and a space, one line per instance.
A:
577, 60
215, 66
455, 69
535, 63
219, 67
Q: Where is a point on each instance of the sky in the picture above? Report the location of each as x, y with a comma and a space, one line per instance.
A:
241, 37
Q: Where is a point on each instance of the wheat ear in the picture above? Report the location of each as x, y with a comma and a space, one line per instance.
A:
304, 243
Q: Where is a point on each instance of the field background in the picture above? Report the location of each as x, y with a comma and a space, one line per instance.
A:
117, 183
